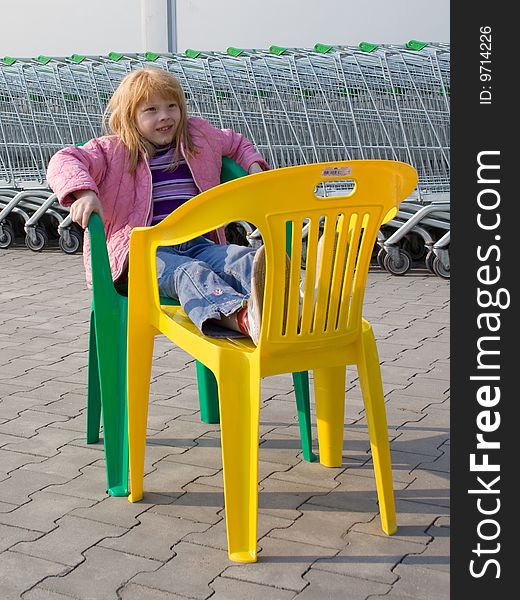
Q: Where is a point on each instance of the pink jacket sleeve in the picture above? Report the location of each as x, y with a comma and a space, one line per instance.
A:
76, 168
240, 149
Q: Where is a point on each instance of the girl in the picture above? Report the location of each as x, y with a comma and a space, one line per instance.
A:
157, 159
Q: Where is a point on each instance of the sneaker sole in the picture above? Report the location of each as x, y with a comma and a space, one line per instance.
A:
258, 291
258, 288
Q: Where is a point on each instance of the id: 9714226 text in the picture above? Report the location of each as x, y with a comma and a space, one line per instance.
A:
486, 77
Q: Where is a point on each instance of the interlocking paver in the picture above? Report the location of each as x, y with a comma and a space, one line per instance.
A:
319, 526
69, 405
420, 583
306, 472
439, 370
21, 484
215, 536
10, 460
412, 435
159, 415
7, 507
206, 453
66, 463
10, 536
33, 377
265, 470
15, 404
169, 477
116, 511
42, 511
102, 573
90, 484
233, 589
37, 593
19, 572
154, 537
45, 443
67, 542
429, 487
442, 463
329, 586
283, 498
201, 503
27, 423
413, 521
280, 448
55, 514
132, 591
76, 424
181, 432
429, 388
437, 553
282, 563
189, 572
369, 557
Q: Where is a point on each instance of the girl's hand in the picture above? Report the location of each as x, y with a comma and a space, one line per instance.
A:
86, 203
255, 168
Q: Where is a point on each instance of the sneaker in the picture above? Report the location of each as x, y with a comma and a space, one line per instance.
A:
250, 318
256, 300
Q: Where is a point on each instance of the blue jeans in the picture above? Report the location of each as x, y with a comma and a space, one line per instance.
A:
208, 279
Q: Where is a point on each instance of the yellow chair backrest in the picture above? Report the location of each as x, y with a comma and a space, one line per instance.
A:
326, 308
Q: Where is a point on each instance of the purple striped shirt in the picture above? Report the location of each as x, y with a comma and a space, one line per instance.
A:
169, 189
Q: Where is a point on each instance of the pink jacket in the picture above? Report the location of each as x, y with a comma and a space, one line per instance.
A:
102, 165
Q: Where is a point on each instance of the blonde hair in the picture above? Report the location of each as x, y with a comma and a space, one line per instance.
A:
136, 87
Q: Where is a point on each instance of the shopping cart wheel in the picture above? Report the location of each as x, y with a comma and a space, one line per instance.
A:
37, 240
400, 265
414, 245
428, 261
72, 244
6, 235
441, 270
380, 258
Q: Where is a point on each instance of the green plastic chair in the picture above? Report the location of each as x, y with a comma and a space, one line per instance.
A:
107, 395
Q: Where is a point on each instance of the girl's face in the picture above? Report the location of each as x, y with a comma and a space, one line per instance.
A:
157, 119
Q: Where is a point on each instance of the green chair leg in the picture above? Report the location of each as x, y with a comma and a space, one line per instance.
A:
208, 395
112, 370
94, 391
301, 389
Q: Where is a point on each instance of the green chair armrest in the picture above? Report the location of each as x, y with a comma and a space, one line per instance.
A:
230, 170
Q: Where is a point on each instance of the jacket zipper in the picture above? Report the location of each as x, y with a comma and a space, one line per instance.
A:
150, 196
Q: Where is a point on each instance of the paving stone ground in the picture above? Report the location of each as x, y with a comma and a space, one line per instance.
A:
62, 537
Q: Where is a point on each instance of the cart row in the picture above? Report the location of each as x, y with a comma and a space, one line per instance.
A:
37, 215
418, 234
297, 105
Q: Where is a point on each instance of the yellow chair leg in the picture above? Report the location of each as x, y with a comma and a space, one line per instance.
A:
140, 353
373, 398
329, 390
239, 395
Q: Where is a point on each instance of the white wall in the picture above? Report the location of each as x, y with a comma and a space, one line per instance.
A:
217, 24
63, 27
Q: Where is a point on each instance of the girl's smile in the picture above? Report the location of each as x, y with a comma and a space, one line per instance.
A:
157, 119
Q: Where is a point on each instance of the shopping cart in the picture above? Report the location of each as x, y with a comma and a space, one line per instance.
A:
296, 105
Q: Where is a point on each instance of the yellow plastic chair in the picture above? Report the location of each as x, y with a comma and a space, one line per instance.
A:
324, 332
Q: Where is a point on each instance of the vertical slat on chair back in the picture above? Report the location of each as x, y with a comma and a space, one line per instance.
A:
325, 298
